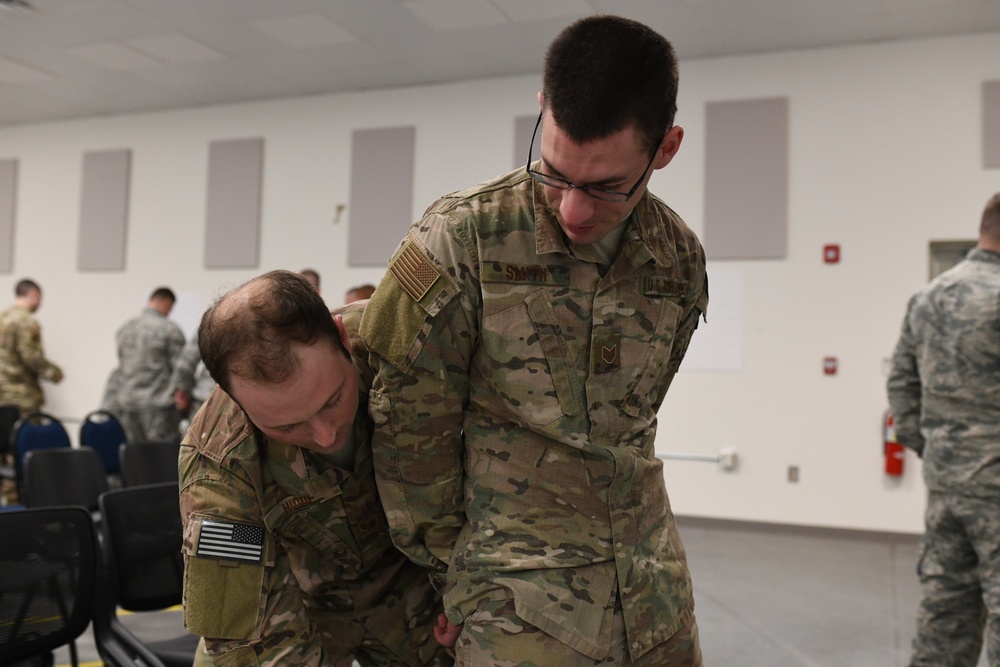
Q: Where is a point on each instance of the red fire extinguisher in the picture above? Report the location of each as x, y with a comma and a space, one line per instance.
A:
894, 452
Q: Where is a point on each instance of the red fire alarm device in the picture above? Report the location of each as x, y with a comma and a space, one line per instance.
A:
829, 365
831, 253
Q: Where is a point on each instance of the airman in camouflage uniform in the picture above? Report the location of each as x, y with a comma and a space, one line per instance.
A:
141, 390
525, 335
309, 575
22, 361
944, 393
22, 358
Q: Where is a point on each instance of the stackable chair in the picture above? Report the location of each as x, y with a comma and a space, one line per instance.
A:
48, 566
34, 431
101, 431
142, 532
63, 476
9, 414
149, 462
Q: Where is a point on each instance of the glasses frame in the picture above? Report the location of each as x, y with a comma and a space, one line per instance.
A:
594, 191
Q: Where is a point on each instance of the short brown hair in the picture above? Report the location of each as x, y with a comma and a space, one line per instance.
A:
249, 332
25, 286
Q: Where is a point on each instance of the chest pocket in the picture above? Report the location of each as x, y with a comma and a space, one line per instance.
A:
333, 536
527, 356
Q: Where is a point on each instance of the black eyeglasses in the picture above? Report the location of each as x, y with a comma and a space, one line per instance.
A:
594, 191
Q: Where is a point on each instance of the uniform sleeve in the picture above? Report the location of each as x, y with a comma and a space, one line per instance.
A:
184, 367
421, 326
904, 388
29, 348
251, 614
696, 309
175, 345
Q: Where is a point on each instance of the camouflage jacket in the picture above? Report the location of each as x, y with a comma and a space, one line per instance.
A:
148, 347
22, 361
944, 387
515, 408
326, 571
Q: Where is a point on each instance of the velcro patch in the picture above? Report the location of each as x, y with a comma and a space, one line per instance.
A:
414, 271
531, 274
660, 286
607, 353
236, 541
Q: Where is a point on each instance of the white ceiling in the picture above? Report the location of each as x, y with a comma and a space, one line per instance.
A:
75, 58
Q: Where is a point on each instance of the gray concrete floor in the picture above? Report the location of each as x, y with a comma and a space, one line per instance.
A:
765, 596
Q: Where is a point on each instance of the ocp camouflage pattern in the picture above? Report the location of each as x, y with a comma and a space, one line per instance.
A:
329, 584
515, 410
22, 361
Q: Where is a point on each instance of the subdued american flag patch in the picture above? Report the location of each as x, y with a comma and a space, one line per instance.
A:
239, 541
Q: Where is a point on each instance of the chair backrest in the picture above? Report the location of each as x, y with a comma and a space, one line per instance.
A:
63, 476
9, 414
48, 564
150, 462
142, 540
102, 432
36, 431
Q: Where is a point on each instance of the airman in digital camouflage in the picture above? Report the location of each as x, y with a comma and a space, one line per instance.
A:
944, 393
525, 336
22, 360
288, 560
140, 390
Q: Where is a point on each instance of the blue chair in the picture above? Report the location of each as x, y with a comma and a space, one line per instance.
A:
33, 431
102, 432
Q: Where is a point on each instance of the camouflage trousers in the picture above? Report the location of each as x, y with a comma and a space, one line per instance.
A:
150, 425
8, 487
959, 572
371, 653
494, 636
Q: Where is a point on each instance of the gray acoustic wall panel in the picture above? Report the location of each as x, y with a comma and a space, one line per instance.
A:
232, 215
746, 179
991, 124
523, 127
8, 201
104, 210
381, 204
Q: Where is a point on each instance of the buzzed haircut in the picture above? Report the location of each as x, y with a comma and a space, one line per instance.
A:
604, 73
990, 226
250, 331
25, 286
163, 293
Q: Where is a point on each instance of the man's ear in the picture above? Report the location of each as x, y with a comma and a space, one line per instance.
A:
345, 339
669, 146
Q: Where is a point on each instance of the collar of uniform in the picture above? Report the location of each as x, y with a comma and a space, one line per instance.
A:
648, 224
983, 255
653, 224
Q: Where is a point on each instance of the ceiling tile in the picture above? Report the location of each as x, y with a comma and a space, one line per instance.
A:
455, 14
174, 48
306, 31
12, 72
112, 56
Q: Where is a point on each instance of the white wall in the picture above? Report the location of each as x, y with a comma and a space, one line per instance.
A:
885, 156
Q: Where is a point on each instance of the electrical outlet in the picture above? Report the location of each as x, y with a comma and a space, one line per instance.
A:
793, 473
